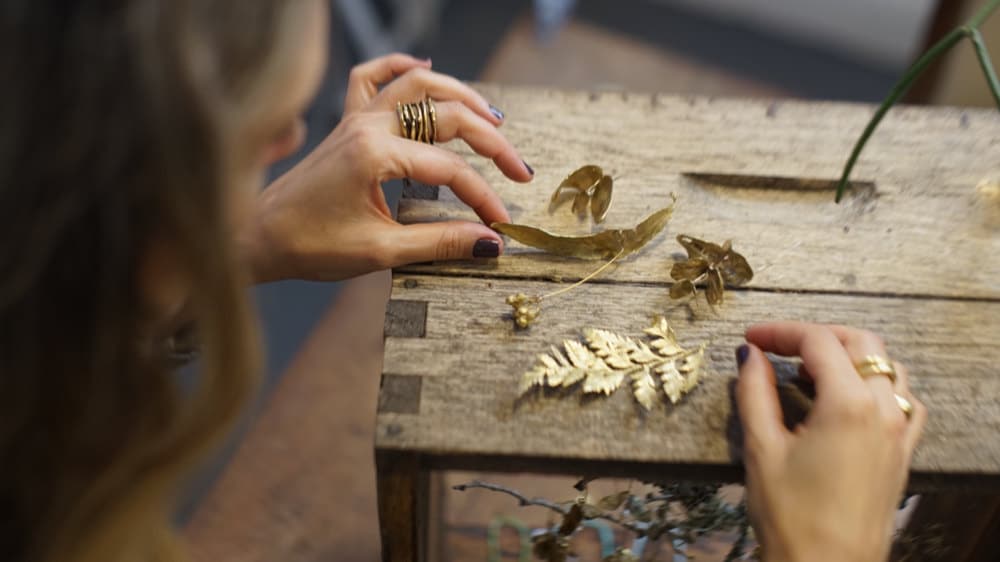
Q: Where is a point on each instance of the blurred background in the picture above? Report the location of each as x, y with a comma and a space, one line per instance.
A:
847, 50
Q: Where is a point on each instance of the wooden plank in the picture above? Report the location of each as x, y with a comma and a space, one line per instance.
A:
471, 360
761, 173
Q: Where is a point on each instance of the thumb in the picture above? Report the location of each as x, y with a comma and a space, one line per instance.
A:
757, 400
442, 241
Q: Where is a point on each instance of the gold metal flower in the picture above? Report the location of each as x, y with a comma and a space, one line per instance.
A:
594, 190
712, 264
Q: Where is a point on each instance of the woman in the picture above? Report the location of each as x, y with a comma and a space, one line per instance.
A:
135, 136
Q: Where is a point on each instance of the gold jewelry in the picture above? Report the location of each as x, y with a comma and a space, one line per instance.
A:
873, 365
904, 405
418, 121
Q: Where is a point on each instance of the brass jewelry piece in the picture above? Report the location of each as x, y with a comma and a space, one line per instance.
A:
904, 405
593, 189
873, 365
418, 121
712, 264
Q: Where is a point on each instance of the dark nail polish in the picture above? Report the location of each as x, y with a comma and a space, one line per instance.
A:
742, 352
496, 112
486, 248
527, 167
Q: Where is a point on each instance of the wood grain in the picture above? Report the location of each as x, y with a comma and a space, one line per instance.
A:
471, 360
761, 173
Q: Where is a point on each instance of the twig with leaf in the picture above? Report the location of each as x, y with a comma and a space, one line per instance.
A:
681, 513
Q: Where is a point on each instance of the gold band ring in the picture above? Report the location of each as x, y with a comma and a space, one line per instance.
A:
873, 365
904, 405
418, 121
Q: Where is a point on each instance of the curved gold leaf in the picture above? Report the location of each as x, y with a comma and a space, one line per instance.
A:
690, 269
600, 200
700, 248
644, 388
682, 289
605, 244
583, 178
580, 203
735, 269
715, 290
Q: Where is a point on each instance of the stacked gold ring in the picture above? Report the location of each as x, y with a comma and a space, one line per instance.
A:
875, 365
418, 121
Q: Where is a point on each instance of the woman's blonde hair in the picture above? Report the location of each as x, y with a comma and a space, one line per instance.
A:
117, 134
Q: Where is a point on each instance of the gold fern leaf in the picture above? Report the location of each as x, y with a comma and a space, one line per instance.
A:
603, 382
611, 347
672, 380
604, 359
644, 388
665, 342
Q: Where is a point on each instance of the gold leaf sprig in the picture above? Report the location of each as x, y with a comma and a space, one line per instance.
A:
604, 359
609, 244
712, 264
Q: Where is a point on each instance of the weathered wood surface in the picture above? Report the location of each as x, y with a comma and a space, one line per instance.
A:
910, 254
761, 173
470, 362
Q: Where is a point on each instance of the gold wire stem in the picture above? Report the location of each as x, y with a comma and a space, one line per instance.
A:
593, 274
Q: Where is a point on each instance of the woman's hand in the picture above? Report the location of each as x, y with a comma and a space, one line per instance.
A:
830, 489
327, 219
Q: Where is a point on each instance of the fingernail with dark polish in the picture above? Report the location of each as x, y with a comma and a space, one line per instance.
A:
496, 112
486, 248
527, 167
742, 352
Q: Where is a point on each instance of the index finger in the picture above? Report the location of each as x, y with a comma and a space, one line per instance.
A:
823, 355
437, 166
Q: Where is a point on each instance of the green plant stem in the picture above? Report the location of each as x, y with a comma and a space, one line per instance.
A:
911, 74
901, 87
984, 60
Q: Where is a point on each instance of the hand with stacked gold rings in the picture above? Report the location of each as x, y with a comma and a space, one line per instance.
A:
327, 218
830, 488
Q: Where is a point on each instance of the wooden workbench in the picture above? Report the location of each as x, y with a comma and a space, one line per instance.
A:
913, 253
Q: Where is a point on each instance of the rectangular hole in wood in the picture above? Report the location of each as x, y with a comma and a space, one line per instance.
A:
782, 188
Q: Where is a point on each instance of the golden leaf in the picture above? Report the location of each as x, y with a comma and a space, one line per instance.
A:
644, 388
682, 289
666, 341
715, 290
603, 382
600, 202
580, 203
672, 380
608, 346
613, 502
605, 244
642, 354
